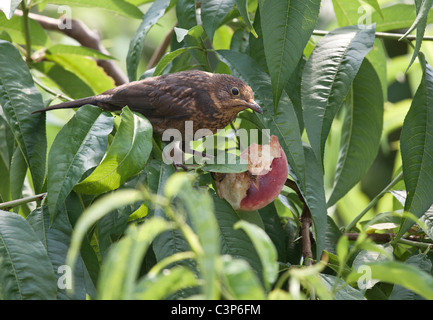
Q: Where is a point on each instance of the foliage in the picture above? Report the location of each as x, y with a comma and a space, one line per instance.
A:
112, 220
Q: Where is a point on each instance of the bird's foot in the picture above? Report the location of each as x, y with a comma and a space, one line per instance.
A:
177, 165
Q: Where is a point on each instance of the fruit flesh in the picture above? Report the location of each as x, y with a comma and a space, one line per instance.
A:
262, 183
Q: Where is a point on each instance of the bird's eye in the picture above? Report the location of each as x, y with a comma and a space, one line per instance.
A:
235, 91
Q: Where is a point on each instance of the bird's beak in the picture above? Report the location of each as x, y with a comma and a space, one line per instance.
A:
255, 107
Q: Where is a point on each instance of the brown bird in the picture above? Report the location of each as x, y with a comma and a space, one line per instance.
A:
210, 101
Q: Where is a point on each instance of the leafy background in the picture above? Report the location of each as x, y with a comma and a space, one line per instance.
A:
86, 199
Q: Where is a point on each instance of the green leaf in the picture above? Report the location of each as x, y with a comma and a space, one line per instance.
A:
169, 242
78, 50
7, 143
427, 219
327, 77
126, 156
213, 13
314, 196
234, 242
56, 240
155, 12
96, 211
283, 123
397, 16
79, 146
375, 5
378, 58
5, 187
157, 173
361, 131
199, 206
67, 82
422, 10
19, 97
121, 268
390, 17
286, 27
85, 68
243, 10
240, 280
345, 291
186, 14
121, 7
416, 144
166, 59
230, 163
398, 273
26, 272
162, 285
350, 12
9, 7
265, 249
420, 261
18, 171
274, 228
111, 228
15, 28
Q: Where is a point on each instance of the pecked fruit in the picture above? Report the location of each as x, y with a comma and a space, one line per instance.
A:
262, 183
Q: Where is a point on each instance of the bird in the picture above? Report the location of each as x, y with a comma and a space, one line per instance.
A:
209, 100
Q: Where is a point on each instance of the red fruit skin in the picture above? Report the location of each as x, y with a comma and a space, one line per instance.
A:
266, 187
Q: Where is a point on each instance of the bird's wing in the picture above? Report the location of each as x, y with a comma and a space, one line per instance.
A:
154, 99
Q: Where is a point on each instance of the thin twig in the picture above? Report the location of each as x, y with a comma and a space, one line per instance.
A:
414, 241
14, 203
384, 35
49, 90
306, 223
160, 51
26, 29
86, 37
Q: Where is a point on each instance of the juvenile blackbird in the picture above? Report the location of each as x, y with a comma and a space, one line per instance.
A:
210, 101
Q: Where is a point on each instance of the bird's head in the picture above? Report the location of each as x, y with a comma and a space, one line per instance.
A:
233, 95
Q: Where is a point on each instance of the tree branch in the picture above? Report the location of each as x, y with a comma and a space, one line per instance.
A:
412, 240
306, 222
86, 37
384, 35
159, 52
14, 203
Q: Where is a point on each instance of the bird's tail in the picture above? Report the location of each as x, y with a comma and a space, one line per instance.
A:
73, 104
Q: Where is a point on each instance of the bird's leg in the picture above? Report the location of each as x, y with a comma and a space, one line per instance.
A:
218, 176
173, 153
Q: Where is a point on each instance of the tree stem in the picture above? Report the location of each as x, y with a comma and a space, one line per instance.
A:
26, 31
410, 240
383, 35
306, 221
14, 203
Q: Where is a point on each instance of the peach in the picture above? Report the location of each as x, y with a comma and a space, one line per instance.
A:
261, 183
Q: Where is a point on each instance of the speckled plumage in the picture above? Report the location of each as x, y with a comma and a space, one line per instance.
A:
169, 100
